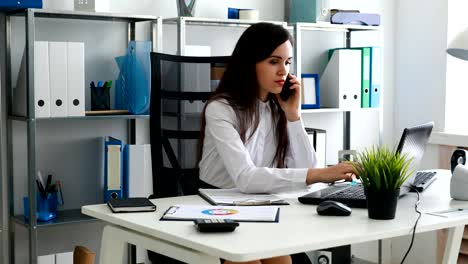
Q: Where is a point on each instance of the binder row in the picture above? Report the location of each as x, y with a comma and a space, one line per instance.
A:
127, 170
59, 80
352, 78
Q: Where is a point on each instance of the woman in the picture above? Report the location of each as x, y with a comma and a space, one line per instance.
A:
251, 138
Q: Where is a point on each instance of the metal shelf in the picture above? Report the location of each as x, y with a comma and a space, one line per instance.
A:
91, 117
65, 217
335, 110
335, 27
86, 15
216, 22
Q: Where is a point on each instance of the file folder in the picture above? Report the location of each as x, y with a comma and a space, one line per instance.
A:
113, 169
310, 91
138, 176
196, 77
75, 79
15, 4
365, 74
41, 83
376, 76
318, 139
58, 79
340, 84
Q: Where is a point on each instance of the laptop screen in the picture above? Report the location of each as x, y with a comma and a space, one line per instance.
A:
413, 143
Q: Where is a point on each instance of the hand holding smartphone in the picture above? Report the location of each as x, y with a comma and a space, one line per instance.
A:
286, 91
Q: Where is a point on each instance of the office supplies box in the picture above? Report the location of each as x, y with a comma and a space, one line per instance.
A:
340, 84
310, 91
15, 4
41, 83
365, 73
237, 213
138, 174
318, 140
235, 197
131, 205
46, 259
355, 18
306, 11
113, 169
76, 78
58, 79
376, 76
92, 5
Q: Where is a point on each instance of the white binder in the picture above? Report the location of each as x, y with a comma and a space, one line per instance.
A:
196, 76
41, 83
58, 79
46, 259
340, 85
64, 258
75, 79
139, 170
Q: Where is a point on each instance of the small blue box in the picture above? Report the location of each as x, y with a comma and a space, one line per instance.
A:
233, 13
17, 4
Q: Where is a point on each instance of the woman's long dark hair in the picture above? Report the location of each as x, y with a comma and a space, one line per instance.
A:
239, 84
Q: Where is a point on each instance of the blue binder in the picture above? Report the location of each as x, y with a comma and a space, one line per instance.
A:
15, 4
376, 76
113, 169
314, 78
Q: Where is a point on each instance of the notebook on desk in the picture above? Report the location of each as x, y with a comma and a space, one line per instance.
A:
413, 142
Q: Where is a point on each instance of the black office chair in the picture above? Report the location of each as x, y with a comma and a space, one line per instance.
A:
180, 86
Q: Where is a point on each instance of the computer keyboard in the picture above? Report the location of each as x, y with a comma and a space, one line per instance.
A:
423, 179
352, 193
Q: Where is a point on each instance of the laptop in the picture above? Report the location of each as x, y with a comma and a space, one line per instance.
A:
413, 143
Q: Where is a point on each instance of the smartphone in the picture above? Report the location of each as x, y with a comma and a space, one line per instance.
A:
285, 91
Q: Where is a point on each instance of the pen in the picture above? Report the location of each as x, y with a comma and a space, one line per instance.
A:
59, 184
252, 202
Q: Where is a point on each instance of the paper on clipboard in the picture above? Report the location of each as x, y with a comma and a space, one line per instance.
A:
237, 213
235, 197
451, 212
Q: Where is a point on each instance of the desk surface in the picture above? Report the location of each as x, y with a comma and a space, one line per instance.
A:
299, 229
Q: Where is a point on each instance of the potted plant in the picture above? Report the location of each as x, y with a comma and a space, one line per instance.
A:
382, 171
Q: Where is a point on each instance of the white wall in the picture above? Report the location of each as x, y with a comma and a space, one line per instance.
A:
420, 66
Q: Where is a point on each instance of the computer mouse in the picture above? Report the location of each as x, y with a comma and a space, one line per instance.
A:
335, 208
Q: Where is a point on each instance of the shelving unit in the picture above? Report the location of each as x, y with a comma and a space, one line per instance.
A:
65, 217
297, 29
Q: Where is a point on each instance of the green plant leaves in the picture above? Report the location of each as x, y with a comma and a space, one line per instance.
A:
381, 168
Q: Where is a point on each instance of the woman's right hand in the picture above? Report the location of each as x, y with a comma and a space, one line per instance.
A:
340, 171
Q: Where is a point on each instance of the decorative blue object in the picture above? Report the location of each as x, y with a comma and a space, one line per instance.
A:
133, 85
310, 91
6, 5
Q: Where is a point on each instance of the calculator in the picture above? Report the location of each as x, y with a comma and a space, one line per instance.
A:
215, 225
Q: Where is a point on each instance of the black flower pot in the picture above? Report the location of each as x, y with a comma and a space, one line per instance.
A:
382, 204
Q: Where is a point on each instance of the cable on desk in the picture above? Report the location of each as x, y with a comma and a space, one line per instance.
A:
415, 224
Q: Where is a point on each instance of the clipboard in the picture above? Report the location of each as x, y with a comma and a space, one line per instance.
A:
262, 214
233, 197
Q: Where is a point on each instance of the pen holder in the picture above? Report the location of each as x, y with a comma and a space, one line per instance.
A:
46, 207
100, 98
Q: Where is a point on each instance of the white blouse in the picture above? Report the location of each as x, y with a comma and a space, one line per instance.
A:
229, 163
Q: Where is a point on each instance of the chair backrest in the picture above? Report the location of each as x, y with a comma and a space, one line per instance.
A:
180, 86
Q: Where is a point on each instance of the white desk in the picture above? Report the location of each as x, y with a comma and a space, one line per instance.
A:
300, 229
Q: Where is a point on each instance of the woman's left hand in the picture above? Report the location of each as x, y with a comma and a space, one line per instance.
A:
291, 107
